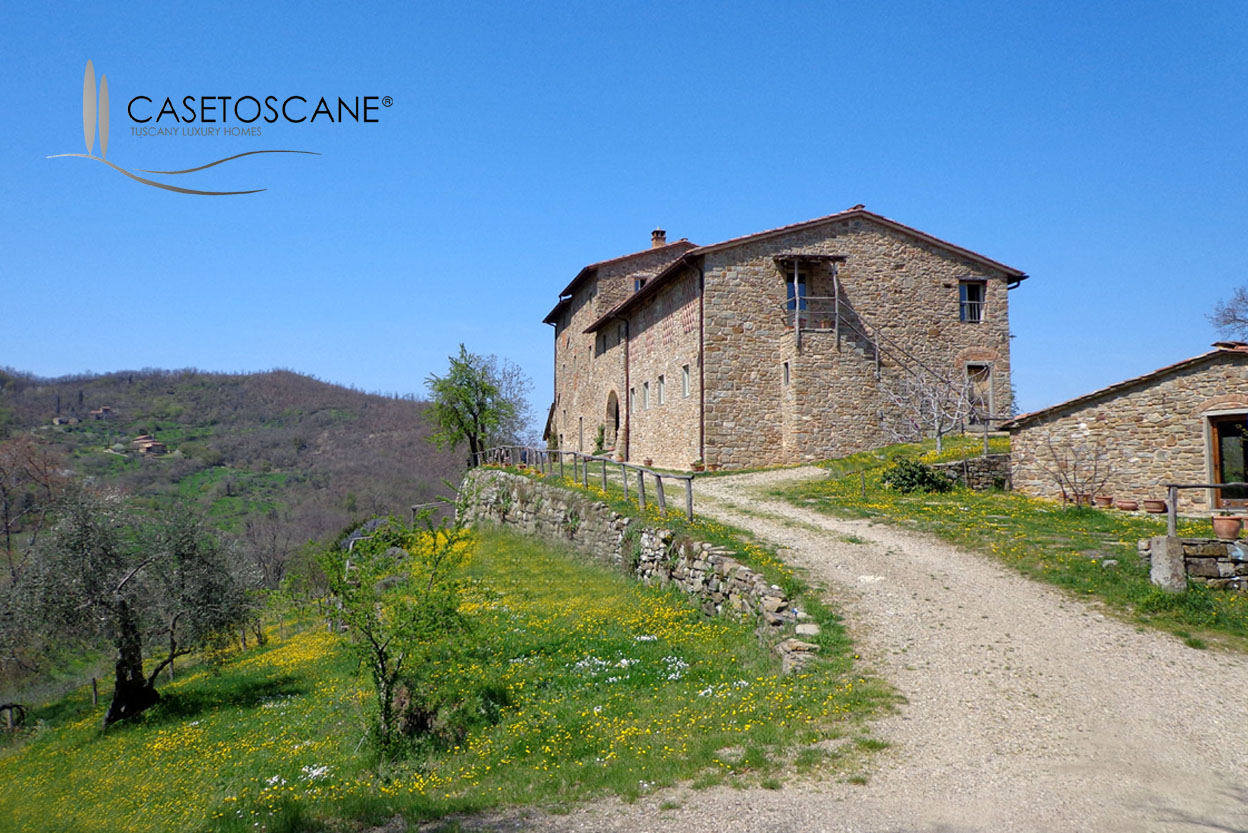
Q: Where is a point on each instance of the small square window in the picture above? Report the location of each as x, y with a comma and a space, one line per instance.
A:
638, 283
684, 381
971, 301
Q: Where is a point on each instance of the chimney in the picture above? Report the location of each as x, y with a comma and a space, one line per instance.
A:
658, 238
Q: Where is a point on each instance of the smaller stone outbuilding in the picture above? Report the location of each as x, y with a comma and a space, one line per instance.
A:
1185, 423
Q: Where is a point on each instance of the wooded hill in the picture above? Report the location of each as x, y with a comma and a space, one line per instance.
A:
277, 455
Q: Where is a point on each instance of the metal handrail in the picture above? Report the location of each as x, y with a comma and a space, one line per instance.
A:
546, 459
1172, 500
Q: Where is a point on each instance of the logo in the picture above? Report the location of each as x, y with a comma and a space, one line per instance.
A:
95, 115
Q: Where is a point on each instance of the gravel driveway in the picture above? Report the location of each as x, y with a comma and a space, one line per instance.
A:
1027, 710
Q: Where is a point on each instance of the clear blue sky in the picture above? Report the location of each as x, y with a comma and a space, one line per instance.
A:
1100, 147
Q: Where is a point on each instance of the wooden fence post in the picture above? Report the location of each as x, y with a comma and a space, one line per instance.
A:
689, 498
641, 488
1172, 511
624, 478
604, 475
658, 492
95, 692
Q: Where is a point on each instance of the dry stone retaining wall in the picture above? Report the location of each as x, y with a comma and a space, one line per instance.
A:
979, 473
720, 583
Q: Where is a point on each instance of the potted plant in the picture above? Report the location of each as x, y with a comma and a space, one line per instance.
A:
1154, 506
698, 465
1103, 501
1227, 527
1128, 505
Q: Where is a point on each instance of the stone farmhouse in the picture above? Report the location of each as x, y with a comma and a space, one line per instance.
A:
776, 347
1185, 423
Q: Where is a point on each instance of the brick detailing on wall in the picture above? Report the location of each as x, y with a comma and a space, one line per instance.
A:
979, 473
720, 584
1208, 561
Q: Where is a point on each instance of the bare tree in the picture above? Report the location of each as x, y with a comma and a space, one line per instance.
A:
1077, 464
270, 541
31, 481
921, 404
1231, 316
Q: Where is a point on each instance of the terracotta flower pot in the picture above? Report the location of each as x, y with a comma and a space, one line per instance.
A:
1128, 505
1154, 507
1227, 527
1103, 501
647, 462
698, 467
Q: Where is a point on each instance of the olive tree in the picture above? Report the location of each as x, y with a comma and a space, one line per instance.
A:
148, 587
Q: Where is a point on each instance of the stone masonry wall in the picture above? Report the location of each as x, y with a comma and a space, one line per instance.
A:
721, 584
590, 367
979, 473
1221, 565
905, 287
1150, 434
663, 341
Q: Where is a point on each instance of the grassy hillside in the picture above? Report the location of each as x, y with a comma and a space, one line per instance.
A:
573, 681
286, 452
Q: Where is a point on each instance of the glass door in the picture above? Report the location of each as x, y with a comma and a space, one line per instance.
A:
1230, 441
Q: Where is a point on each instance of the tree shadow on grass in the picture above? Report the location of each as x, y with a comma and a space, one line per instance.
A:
186, 704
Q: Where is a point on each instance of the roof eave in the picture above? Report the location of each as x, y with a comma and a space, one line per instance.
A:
652, 287
1026, 419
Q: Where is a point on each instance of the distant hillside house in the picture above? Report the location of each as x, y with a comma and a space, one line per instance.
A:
101, 413
147, 444
1184, 423
776, 347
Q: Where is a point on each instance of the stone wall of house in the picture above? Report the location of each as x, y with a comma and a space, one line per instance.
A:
1147, 435
720, 583
894, 283
979, 473
590, 367
663, 341
1222, 565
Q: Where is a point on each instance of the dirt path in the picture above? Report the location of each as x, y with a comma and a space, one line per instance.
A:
1027, 710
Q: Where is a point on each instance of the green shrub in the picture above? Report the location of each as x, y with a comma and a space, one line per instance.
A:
908, 476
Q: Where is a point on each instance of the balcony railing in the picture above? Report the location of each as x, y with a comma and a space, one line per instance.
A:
972, 312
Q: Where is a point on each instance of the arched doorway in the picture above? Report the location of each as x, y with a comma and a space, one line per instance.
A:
613, 420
